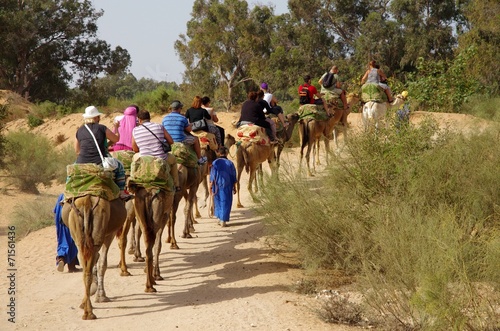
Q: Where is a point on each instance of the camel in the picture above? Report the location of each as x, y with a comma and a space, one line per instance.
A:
211, 156
250, 155
374, 112
285, 135
152, 208
93, 223
189, 181
311, 133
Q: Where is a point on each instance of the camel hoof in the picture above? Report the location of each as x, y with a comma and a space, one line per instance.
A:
239, 206
102, 299
158, 278
192, 229
174, 246
188, 236
82, 306
131, 251
139, 259
125, 273
88, 317
197, 215
195, 221
150, 290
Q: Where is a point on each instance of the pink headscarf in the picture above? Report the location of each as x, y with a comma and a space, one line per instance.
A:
127, 124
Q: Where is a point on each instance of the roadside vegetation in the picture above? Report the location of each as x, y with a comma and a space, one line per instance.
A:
412, 216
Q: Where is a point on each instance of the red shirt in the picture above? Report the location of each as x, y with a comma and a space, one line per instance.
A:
312, 91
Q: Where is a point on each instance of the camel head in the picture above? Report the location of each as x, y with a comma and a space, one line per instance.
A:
229, 141
352, 98
399, 99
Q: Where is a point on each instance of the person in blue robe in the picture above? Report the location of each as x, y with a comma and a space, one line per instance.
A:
223, 185
66, 249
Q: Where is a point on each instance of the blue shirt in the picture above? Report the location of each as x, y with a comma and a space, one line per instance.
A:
175, 124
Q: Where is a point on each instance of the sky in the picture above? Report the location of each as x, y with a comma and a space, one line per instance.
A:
148, 30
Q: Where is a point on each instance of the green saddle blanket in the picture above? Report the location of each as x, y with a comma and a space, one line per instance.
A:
125, 157
90, 179
150, 172
373, 92
314, 112
185, 155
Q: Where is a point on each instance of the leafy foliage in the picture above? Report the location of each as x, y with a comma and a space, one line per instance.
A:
44, 39
413, 215
30, 160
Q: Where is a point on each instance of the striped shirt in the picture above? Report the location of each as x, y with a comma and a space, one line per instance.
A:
175, 124
147, 143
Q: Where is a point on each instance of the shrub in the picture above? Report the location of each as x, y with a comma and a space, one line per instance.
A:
30, 160
34, 216
411, 213
34, 121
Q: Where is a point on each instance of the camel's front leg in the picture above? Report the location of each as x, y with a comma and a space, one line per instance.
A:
122, 244
157, 250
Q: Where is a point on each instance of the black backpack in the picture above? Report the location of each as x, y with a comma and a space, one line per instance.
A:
328, 80
304, 95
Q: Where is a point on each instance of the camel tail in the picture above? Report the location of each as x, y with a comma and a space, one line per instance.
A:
245, 159
88, 227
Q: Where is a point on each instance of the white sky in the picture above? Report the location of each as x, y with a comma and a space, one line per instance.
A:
148, 30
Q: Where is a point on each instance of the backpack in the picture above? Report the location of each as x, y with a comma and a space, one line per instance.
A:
328, 80
304, 95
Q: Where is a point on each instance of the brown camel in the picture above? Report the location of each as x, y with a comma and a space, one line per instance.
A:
211, 156
285, 135
189, 181
250, 155
93, 223
152, 208
311, 131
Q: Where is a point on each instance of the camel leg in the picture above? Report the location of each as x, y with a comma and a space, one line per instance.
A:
87, 266
171, 222
122, 243
133, 243
157, 250
101, 270
238, 186
137, 253
308, 155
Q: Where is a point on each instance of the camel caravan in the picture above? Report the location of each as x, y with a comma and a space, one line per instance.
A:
138, 187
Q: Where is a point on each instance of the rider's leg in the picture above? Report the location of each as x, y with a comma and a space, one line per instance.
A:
172, 162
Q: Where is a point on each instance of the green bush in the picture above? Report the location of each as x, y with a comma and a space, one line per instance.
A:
34, 121
34, 216
30, 160
413, 214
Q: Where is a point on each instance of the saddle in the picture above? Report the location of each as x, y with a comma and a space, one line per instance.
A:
90, 179
207, 139
185, 155
125, 157
150, 172
373, 92
312, 112
252, 133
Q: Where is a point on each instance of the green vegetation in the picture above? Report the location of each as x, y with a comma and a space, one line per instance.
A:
413, 215
35, 216
32, 159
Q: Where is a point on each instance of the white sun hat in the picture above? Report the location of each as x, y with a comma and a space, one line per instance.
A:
91, 112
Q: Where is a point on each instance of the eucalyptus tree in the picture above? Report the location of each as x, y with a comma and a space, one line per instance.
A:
222, 40
46, 44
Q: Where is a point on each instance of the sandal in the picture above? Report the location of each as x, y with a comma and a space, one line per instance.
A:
60, 264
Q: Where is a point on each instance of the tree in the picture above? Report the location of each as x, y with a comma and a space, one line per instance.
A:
223, 38
46, 42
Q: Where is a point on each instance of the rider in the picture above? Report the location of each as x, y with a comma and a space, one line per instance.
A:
272, 101
179, 129
86, 149
143, 142
252, 112
376, 76
336, 87
312, 93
